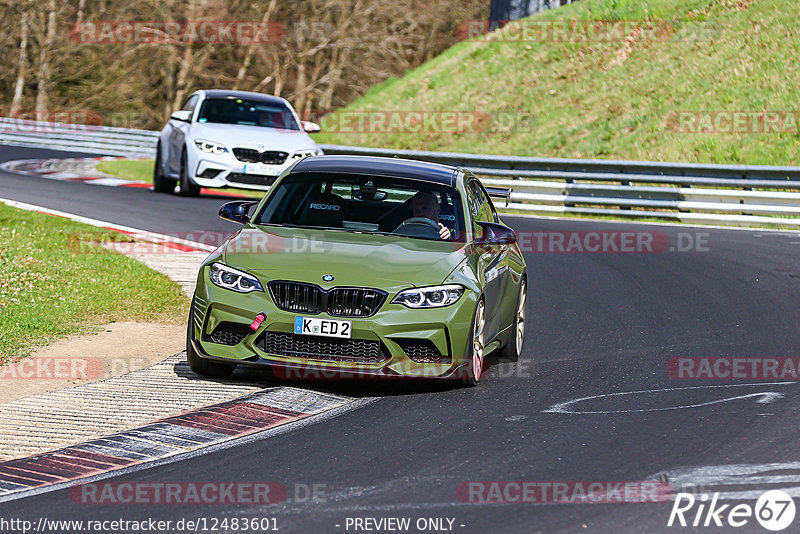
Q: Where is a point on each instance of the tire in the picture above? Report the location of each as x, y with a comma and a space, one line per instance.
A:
199, 365
513, 346
476, 347
188, 188
161, 183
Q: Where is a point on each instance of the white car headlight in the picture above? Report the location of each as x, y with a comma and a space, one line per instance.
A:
210, 147
233, 279
429, 297
301, 154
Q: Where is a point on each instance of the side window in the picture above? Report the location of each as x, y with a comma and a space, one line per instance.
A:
473, 201
477, 207
485, 208
489, 207
190, 104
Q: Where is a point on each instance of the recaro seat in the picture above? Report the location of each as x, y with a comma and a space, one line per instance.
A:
322, 209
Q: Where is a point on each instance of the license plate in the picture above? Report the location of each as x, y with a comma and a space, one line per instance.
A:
261, 168
321, 327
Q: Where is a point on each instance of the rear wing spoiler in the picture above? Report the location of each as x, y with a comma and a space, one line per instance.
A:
500, 192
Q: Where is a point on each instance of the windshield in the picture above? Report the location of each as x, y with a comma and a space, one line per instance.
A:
369, 204
247, 113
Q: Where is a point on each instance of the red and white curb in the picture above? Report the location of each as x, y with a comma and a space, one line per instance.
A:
81, 170
167, 439
144, 418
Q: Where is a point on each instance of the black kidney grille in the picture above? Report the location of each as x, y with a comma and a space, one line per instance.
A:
228, 333
354, 302
270, 157
337, 302
247, 155
319, 348
297, 297
273, 157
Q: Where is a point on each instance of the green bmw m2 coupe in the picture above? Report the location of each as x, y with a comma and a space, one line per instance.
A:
363, 267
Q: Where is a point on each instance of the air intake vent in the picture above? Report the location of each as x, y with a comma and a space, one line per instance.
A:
228, 333
251, 179
422, 351
318, 348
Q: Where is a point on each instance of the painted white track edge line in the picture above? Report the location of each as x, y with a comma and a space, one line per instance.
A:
104, 224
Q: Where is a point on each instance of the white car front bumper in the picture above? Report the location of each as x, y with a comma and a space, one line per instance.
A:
225, 170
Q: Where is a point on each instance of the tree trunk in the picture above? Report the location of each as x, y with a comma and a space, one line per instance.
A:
81, 7
251, 48
42, 100
300, 85
19, 86
279, 73
185, 62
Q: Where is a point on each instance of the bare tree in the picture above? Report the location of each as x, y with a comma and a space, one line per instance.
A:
42, 99
251, 48
333, 51
22, 69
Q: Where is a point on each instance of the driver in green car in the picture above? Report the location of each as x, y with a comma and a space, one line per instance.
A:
425, 205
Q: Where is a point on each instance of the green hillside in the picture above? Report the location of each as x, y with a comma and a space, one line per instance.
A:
613, 98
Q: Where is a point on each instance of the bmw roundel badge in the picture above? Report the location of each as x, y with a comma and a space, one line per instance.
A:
328, 278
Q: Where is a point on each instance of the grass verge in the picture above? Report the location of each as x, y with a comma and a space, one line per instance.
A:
55, 280
622, 97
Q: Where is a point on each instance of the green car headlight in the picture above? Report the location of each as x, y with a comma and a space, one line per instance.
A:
429, 297
210, 146
233, 279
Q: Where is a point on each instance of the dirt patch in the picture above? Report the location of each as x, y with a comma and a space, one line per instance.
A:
118, 349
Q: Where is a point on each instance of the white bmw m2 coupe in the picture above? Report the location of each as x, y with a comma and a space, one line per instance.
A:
230, 139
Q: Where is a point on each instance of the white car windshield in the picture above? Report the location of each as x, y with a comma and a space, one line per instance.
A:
247, 113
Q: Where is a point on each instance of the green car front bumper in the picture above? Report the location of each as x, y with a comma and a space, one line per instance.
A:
414, 343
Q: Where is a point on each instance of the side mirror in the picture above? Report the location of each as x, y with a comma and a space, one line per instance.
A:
182, 115
311, 127
237, 211
495, 234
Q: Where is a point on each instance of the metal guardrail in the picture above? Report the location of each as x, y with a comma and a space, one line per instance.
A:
79, 138
703, 193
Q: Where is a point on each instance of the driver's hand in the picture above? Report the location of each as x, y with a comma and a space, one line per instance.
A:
444, 232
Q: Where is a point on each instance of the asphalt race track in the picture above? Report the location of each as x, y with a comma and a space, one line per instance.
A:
598, 324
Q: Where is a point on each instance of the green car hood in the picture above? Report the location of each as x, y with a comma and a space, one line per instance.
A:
354, 259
